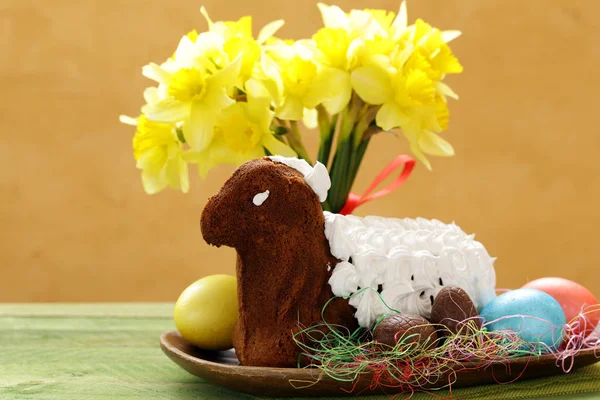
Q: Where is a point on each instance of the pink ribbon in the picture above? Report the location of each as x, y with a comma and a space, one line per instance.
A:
355, 200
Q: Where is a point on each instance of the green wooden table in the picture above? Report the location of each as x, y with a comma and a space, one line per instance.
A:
111, 351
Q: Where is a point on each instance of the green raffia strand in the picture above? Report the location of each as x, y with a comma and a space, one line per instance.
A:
343, 355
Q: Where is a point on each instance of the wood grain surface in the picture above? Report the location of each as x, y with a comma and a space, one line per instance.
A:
76, 225
222, 368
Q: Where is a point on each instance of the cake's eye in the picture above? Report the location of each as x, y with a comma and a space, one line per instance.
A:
260, 198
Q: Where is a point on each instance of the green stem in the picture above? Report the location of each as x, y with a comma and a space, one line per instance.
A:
341, 165
366, 117
358, 155
295, 142
327, 132
340, 171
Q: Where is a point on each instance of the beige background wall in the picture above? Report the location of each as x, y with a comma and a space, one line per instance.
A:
75, 224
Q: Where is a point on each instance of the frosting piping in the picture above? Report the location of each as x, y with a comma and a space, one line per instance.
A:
405, 263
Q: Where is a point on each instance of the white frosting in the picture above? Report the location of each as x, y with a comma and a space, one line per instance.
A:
260, 198
412, 259
316, 177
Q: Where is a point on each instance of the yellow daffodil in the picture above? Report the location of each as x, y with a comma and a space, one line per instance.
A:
294, 81
399, 93
195, 92
358, 23
238, 40
408, 100
421, 131
158, 153
242, 132
348, 41
430, 43
333, 53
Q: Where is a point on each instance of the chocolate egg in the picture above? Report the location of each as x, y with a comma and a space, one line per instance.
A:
408, 329
451, 307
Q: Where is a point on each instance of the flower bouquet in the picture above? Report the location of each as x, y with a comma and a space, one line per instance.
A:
225, 97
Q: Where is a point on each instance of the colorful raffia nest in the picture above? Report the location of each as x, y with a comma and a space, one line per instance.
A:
345, 355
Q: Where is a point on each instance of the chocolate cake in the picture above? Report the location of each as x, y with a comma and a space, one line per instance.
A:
268, 212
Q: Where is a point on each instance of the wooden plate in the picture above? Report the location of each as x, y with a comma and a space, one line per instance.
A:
223, 368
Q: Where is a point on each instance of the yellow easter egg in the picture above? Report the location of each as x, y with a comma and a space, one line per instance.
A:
206, 312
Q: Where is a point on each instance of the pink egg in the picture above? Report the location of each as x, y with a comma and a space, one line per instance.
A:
573, 298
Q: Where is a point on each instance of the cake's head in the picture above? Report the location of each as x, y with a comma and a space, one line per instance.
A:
262, 198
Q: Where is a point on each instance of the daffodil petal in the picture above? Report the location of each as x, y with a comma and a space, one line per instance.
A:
186, 53
227, 76
203, 159
445, 90
269, 30
390, 116
156, 73
330, 84
340, 101
433, 144
411, 136
333, 16
276, 147
372, 83
400, 22
127, 120
258, 111
172, 175
310, 118
151, 95
240, 158
167, 110
150, 160
206, 17
291, 109
400, 59
256, 89
152, 184
209, 41
448, 36
419, 154
216, 98
198, 129
184, 176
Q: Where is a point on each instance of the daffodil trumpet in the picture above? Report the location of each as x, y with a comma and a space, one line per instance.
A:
225, 96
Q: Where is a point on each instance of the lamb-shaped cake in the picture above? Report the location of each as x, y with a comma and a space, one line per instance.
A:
293, 258
274, 219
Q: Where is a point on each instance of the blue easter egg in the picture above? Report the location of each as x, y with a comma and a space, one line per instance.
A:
534, 315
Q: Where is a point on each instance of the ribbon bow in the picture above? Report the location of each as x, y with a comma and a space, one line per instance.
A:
355, 200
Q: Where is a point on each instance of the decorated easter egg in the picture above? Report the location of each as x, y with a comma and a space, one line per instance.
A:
454, 309
406, 329
532, 314
207, 311
573, 298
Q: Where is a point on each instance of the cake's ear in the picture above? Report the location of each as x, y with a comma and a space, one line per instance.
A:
243, 209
